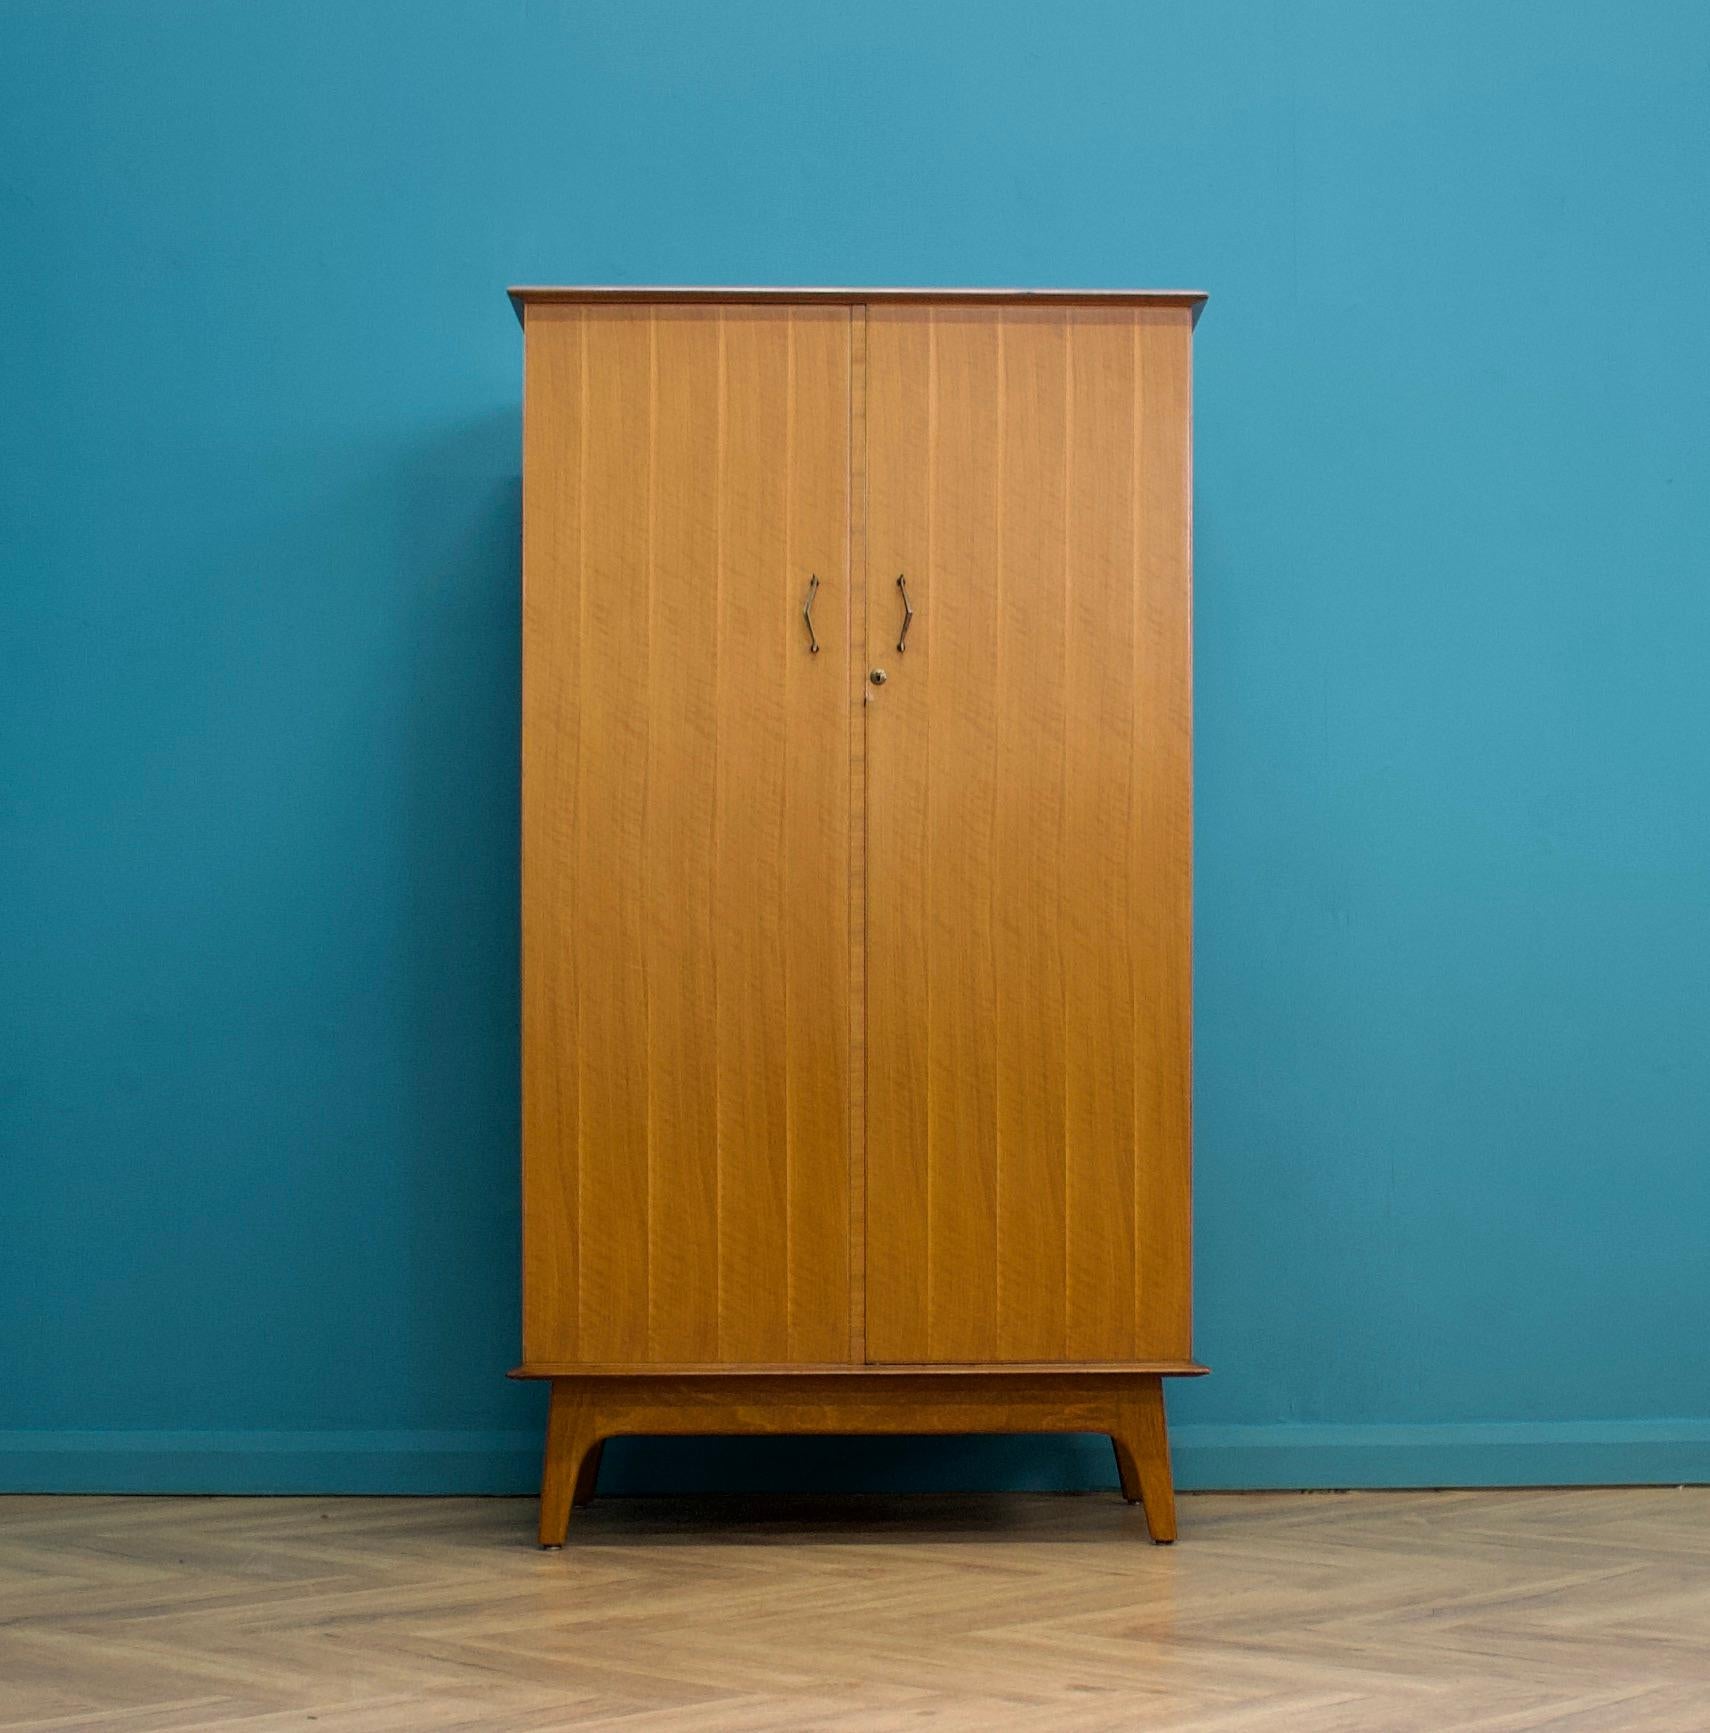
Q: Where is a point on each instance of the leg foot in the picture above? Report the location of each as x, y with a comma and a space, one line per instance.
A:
1143, 1459
569, 1438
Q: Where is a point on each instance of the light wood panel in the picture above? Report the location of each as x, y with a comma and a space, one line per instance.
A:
1161, 882
856, 615
686, 835
1028, 808
1411, 1612
1101, 1296
901, 393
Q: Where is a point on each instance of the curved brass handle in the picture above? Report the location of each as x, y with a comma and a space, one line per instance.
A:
908, 616
807, 615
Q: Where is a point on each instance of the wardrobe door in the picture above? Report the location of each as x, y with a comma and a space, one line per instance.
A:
1028, 835
686, 835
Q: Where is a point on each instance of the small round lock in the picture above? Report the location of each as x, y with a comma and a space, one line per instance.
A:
877, 676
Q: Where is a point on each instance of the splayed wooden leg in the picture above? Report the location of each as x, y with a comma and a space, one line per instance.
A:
1143, 1459
569, 1443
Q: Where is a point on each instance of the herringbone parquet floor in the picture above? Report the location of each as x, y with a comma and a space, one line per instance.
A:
1350, 1613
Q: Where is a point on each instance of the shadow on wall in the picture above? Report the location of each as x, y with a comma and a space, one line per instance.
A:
458, 546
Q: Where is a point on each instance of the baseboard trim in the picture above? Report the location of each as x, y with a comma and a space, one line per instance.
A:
1526, 1453
270, 1462
1207, 1457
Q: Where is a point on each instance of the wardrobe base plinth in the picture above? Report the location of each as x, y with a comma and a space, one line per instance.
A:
588, 1409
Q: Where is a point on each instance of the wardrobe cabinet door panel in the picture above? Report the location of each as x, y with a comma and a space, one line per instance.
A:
686, 835
1028, 867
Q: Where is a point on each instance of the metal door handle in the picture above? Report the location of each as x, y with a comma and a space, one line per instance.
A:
908, 616
807, 615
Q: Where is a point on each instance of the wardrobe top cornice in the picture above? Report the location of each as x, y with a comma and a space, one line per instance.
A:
532, 295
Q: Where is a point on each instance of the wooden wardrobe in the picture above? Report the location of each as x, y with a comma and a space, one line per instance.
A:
856, 866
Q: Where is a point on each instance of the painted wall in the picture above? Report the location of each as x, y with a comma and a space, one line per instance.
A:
258, 608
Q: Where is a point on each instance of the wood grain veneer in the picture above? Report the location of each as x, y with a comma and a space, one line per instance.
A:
856, 974
686, 835
1028, 811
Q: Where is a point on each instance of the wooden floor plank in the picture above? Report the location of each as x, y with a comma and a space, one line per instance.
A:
1491, 1612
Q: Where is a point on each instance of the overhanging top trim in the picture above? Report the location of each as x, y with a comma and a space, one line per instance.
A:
528, 295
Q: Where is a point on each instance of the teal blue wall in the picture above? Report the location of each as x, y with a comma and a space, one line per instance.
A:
258, 712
